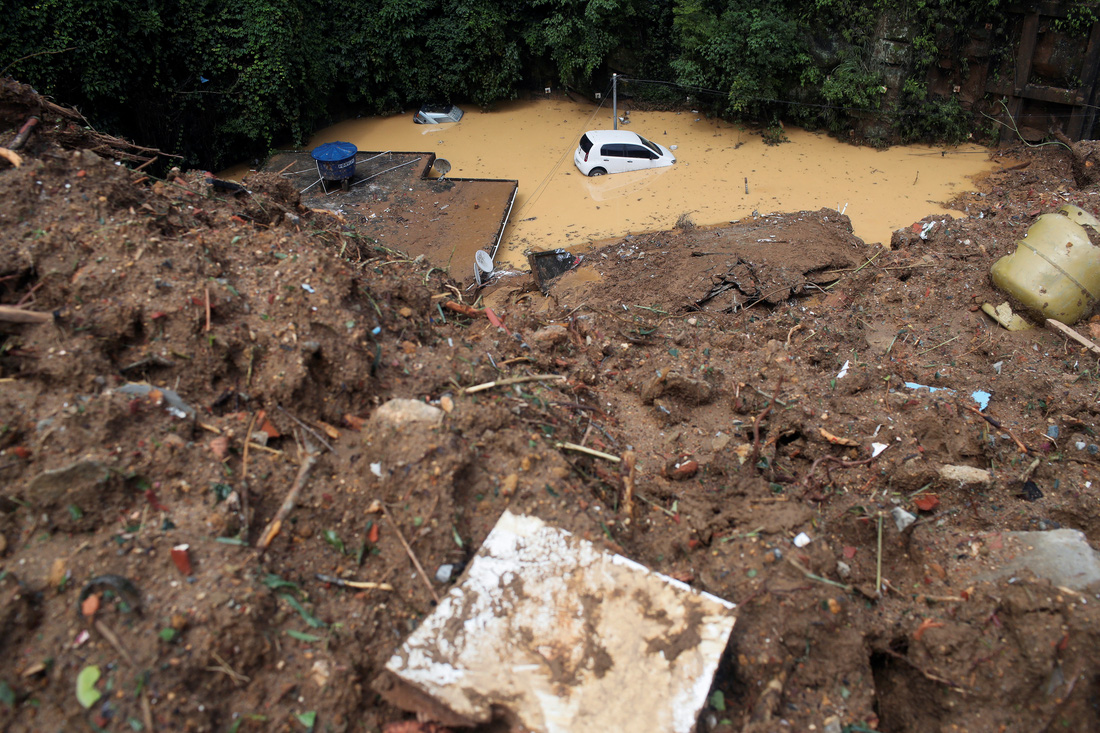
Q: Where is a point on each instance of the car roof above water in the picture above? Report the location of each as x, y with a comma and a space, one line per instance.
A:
613, 136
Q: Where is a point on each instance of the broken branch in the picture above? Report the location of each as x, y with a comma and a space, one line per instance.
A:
513, 380
1065, 330
412, 555
288, 504
589, 451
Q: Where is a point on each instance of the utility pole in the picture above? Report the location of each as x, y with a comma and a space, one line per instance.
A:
615, 100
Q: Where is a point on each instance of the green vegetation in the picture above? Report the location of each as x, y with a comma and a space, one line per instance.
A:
224, 80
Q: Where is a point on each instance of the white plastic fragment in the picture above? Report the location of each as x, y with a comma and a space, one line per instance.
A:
564, 637
902, 518
376, 469
801, 539
843, 370
877, 448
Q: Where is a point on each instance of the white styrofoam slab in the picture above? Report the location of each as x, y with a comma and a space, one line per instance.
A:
567, 638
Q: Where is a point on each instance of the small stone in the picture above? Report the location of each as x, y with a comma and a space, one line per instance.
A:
966, 476
443, 575
509, 484
843, 569
801, 539
400, 412
406, 312
549, 335
1052, 431
902, 518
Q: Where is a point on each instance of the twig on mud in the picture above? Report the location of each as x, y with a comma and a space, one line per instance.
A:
287, 506
361, 584
945, 343
20, 315
655, 505
513, 380
771, 397
628, 483
308, 429
412, 555
930, 675
997, 424
756, 424
244, 516
113, 640
207, 290
589, 451
812, 576
218, 431
833, 459
878, 560
224, 668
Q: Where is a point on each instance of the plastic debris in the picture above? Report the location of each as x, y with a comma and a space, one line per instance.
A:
843, 371
982, 398
171, 400
564, 637
801, 539
902, 518
877, 448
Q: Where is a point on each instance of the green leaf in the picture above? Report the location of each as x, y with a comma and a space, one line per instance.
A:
333, 539
75, 512
306, 615
718, 701
302, 636
308, 719
274, 582
168, 634
86, 692
7, 695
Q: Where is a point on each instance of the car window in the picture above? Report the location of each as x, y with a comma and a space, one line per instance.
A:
651, 146
586, 144
613, 150
638, 151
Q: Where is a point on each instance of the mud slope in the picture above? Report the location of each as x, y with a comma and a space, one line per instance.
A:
202, 354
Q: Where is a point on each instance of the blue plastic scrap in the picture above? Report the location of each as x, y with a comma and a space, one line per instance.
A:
982, 398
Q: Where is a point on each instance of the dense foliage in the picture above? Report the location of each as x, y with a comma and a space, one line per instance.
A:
223, 80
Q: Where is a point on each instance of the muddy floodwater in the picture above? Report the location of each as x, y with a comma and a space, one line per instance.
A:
724, 172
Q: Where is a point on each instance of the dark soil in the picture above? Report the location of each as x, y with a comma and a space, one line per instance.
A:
183, 320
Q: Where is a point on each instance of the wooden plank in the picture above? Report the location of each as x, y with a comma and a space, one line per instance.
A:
1084, 117
1029, 32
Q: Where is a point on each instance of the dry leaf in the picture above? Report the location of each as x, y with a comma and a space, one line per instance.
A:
354, 422
57, 573
90, 605
835, 440
329, 430
219, 446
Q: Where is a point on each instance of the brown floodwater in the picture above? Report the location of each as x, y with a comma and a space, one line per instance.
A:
724, 172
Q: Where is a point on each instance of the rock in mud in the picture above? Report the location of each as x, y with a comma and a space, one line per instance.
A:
51, 487
966, 477
685, 389
399, 413
1062, 556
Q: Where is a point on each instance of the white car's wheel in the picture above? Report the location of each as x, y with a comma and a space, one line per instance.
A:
597, 172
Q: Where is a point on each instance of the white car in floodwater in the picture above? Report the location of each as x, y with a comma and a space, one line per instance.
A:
618, 151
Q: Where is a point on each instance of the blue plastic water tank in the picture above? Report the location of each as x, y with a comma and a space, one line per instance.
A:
335, 161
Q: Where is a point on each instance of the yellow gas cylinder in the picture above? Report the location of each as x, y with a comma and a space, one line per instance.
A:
1055, 270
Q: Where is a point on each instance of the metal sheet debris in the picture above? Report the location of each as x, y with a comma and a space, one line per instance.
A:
563, 636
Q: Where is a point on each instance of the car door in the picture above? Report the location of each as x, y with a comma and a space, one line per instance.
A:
637, 157
611, 157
